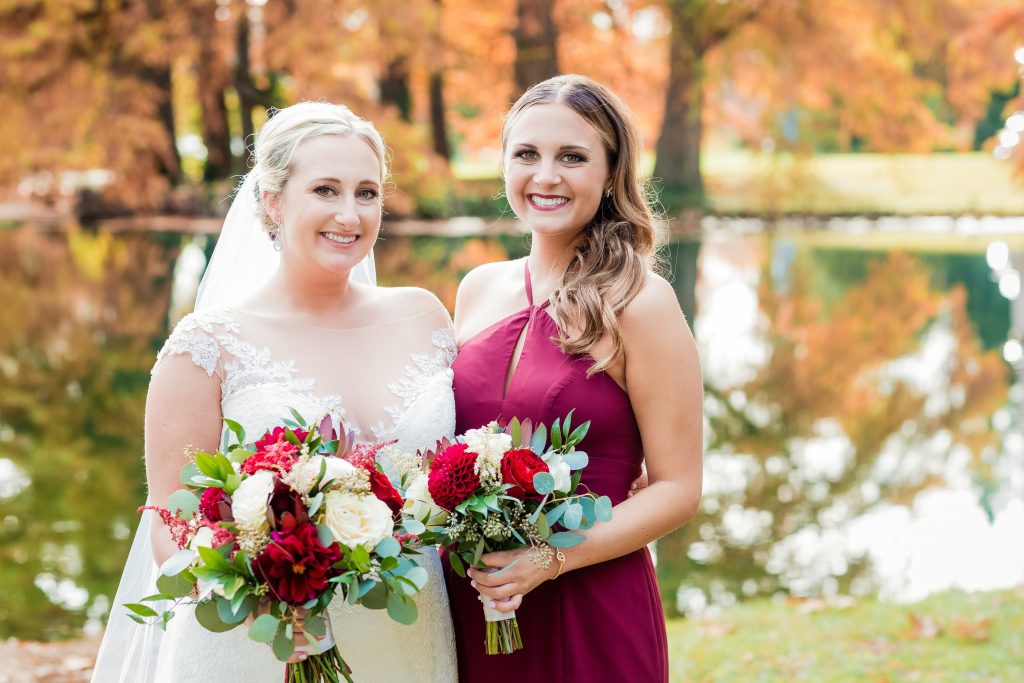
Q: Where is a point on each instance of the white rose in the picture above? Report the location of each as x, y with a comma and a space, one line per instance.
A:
249, 501
559, 469
357, 520
203, 538
336, 467
420, 504
490, 448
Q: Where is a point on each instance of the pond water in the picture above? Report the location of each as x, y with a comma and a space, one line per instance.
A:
862, 422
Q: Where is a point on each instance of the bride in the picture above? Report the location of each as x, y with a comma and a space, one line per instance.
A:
288, 317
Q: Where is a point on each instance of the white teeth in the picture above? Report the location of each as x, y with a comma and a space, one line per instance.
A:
548, 201
340, 239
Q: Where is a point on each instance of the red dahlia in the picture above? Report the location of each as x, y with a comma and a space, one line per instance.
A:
296, 565
517, 468
452, 478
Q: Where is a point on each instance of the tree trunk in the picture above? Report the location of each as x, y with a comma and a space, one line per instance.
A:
536, 39
678, 149
394, 87
243, 84
438, 124
683, 255
212, 79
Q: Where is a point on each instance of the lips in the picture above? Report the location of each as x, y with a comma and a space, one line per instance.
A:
543, 202
341, 240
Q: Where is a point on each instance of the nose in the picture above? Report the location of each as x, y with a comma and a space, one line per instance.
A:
546, 174
346, 215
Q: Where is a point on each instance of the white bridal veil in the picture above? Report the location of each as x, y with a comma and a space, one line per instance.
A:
243, 260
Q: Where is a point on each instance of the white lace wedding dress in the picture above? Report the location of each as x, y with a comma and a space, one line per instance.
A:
389, 381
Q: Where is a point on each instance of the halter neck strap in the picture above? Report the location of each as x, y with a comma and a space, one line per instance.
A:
529, 286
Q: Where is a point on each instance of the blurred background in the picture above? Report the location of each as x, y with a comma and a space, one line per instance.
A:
841, 187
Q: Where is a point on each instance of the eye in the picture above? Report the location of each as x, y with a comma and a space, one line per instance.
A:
324, 191
573, 158
526, 155
367, 194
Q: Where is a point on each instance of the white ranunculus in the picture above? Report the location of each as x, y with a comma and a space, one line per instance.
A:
357, 520
336, 467
203, 537
420, 504
249, 501
490, 448
559, 469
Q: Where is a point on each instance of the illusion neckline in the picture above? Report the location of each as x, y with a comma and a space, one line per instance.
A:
322, 328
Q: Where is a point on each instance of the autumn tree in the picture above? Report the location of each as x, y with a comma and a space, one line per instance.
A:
858, 406
536, 39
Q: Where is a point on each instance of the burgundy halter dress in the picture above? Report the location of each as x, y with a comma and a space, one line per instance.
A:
599, 623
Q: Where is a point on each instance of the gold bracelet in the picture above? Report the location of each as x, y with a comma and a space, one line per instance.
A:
560, 556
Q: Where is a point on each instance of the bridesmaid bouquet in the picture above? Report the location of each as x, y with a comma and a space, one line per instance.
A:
503, 488
270, 532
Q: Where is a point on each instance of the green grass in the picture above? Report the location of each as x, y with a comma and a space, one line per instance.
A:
743, 182
980, 638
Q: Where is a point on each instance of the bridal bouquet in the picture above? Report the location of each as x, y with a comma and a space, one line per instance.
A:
270, 532
503, 488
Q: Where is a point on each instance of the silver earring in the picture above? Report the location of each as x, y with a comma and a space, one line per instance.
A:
278, 244
607, 192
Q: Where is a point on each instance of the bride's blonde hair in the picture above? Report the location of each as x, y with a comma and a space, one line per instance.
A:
287, 128
610, 263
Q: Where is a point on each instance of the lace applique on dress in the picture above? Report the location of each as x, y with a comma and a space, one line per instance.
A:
421, 377
196, 334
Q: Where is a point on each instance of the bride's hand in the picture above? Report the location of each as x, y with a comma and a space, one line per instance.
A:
513, 574
300, 635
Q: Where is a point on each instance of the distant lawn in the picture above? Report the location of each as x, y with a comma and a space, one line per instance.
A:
742, 182
950, 638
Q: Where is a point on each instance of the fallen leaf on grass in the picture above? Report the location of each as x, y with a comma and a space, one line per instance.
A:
975, 631
923, 628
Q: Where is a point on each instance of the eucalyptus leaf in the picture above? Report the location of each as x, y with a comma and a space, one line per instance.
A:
184, 503
233, 616
543, 527
603, 509
284, 645
544, 483
190, 472
315, 626
414, 526
264, 628
539, 440
576, 460
419, 576
401, 608
375, 598
179, 585
324, 535
556, 513
515, 431
565, 539
388, 547
208, 618
573, 516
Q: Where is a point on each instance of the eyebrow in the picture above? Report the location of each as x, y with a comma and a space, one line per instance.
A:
560, 149
337, 181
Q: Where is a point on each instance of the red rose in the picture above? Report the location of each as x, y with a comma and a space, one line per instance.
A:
517, 468
296, 566
274, 452
215, 506
385, 491
452, 478
278, 435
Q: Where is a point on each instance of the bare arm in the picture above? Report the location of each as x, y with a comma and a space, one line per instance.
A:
182, 415
663, 380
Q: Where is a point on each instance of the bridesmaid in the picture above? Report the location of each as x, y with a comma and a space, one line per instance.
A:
582, 323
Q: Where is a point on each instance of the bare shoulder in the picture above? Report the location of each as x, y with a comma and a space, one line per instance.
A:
484, 277
654, 307
411, 302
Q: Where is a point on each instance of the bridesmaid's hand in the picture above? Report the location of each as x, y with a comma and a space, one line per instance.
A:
640, 483
516, 576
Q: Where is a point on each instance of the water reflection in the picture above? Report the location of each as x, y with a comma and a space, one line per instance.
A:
838, 379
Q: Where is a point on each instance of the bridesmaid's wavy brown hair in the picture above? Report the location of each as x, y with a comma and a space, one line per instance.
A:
619, 244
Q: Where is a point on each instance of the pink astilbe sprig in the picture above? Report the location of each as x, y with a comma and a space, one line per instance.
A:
181, 530
365, 455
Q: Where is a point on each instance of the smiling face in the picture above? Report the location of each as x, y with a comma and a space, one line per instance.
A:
556, 169
330, 207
